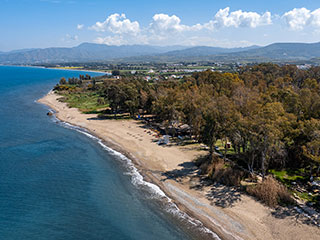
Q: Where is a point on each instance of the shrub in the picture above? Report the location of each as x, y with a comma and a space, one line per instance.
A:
226, 175
270, 192
218, 171
101, 101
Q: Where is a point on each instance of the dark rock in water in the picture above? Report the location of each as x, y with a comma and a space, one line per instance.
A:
49, 113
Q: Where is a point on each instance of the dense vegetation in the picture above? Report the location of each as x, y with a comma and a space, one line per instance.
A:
269, 113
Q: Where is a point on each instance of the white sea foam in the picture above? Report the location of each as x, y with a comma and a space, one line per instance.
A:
138, 181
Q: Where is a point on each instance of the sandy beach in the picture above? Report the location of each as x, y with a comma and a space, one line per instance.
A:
76, 69
226, 211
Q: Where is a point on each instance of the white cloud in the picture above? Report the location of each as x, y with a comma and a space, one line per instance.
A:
225, 18
117, 24
80, 26
299, 18
165, 23
168, 29
315, 19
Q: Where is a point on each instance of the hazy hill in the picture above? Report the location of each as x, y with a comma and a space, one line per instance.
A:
277, 52
199, 53
274, 52
284, 51
206, 51
87, 52
82, 53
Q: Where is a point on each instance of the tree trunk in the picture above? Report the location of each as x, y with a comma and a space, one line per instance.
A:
263, 160
211, 147
251, 163
225, 149
115, 113
311, 168
244, 147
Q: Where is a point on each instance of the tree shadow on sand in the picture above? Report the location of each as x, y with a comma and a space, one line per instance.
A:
219, 195
110, 117
189, 169
224, 196
227, 196
297, 213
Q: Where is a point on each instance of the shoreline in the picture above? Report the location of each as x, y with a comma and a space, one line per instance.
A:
245, 218
147, 179
75, 70
147, 175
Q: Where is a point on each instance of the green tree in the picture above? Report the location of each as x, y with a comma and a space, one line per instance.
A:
115, 72
62, 81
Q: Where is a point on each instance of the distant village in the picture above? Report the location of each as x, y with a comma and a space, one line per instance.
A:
152, 71
156, 71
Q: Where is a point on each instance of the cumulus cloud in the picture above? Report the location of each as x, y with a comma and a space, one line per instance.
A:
118, 24
164, 28
299, 18
225, 18
80, 26
165, 23
316, 17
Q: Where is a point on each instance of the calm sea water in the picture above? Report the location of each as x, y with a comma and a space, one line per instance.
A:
57, 183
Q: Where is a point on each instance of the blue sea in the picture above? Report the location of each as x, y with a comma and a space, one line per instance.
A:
59, 182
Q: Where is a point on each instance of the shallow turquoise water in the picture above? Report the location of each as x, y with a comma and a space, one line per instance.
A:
56, 183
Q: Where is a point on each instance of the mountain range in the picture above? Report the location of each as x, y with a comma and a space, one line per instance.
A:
85, 52
89, 52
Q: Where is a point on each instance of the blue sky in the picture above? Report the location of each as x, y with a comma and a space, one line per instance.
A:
228, 23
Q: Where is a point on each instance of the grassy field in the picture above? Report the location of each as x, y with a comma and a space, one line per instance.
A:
287, 176
293, 179
221, 145
86, 102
